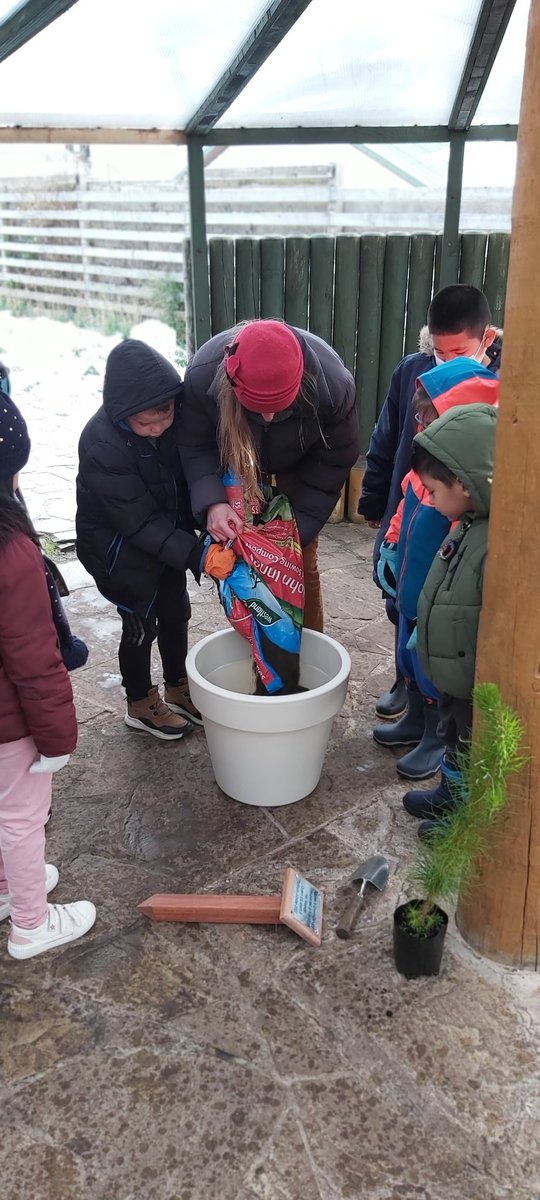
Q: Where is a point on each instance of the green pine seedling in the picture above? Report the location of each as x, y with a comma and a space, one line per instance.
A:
446, 861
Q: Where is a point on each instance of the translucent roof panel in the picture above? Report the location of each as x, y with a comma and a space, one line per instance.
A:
343, 63
502, 96
6, 7
111, 63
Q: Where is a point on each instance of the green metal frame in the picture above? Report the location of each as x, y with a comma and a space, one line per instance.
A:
279, 18
490, 29
449, 268
31, 16
350, 134
382, 161
27, 19
199, 243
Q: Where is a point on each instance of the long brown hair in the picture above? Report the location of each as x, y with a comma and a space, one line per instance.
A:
14, 518
237, 449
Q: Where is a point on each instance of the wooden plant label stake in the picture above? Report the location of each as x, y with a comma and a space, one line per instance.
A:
302, 907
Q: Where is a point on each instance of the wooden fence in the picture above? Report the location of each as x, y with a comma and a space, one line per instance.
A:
122, 251
116, 249
366, 295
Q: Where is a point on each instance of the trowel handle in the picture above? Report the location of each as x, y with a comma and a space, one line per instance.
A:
349, 916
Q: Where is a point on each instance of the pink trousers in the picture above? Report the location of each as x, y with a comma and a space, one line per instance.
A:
24, 803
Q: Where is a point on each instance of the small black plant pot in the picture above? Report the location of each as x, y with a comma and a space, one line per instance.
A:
415, 955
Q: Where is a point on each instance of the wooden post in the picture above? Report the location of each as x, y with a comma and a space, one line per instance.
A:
472, 259
221, 260
394, 302
495, 278
321, 286
500, 916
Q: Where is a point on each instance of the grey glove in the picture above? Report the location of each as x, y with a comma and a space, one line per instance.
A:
133, 630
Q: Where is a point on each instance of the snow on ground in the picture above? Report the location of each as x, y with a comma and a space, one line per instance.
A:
56, 380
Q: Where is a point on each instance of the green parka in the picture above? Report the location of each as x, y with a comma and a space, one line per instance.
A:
449, 606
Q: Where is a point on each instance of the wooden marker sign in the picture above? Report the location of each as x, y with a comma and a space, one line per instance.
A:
300, 906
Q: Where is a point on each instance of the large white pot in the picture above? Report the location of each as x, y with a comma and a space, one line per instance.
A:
266, 750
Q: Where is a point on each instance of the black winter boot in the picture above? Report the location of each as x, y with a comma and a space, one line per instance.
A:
409, 729
425, 760
392, 703
437, 801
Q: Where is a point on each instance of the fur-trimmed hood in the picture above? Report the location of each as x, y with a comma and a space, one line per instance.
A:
425, 345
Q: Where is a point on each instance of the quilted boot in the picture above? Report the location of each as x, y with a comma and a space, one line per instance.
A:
425, 760
409, 729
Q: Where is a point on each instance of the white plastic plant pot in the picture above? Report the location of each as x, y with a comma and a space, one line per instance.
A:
266, 750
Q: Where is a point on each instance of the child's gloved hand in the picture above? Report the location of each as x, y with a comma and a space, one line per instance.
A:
386, 568
218, 561
411, 644
133, 630
49, 766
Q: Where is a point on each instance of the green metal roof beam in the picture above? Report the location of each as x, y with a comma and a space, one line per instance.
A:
351, 134
278, 19
383, 161
490, 29
27, 19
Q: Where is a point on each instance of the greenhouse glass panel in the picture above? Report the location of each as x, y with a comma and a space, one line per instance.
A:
370, 64
123, 65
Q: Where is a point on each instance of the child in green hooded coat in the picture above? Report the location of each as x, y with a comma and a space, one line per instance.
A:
454, 459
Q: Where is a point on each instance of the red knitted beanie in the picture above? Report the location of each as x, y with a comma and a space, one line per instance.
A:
265, 365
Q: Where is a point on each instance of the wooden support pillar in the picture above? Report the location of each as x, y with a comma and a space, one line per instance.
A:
500, 916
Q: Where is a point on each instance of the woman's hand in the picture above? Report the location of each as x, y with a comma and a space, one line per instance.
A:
223, 523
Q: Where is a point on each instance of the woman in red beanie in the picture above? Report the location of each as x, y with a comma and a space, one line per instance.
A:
266, 399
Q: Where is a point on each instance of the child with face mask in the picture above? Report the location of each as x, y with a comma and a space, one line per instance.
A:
458, 325
38, 728
413, 537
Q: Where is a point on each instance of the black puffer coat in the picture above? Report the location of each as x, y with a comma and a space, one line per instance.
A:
133, 514
318, 447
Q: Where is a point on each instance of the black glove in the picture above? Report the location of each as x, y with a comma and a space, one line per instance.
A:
133, 630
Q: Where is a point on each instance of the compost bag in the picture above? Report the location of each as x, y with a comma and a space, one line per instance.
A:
263, 597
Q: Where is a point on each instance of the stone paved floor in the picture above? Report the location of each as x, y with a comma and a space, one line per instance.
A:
170, 1062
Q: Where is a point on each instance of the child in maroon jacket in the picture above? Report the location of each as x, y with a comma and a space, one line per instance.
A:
38, 728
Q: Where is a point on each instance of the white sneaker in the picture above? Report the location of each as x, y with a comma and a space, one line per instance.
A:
51, 880
64, 923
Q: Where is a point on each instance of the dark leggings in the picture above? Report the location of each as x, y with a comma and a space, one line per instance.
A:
168, 620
